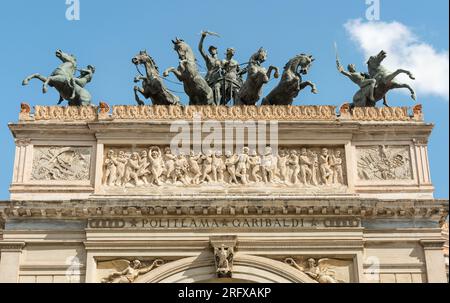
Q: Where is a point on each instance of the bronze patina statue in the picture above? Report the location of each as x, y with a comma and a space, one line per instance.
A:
214, 66
377, 83
187, 72
257, 76
64, 81
291, 82
152, 84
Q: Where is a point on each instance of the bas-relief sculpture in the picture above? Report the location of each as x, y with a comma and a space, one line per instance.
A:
63, 79
128, 271
61, 163
158, 166
323, 270
384, 163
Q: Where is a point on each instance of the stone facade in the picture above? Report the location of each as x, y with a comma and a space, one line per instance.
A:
98, 196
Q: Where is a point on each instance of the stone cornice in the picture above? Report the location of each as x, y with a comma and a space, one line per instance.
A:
11, 246
350, 207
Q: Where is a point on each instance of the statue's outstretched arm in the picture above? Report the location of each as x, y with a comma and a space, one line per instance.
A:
200, 46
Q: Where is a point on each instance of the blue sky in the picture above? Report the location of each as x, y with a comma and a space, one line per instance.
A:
111, 32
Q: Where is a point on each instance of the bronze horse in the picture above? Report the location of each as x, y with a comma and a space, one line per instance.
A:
152, 84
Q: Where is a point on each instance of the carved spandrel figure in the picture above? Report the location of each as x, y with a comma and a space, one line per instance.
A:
153, 86
187, 72
318, 271
291, 82
64, 81
214, 66
131, 271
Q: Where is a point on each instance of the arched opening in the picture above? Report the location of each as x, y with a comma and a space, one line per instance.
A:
246, 269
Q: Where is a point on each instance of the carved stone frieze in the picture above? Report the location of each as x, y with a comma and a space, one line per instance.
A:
69, 113
380, 114
55, 163
384, 163
222, 113
219, 113
158, 166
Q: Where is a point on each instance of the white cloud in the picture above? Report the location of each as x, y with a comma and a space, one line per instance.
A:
405, 50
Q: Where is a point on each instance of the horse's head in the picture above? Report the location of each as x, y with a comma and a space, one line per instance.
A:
259, 57
374, 62
144, 58
183, 49
66, 57
300, 64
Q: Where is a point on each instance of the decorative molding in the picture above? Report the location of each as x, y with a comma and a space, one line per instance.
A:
436, 244
327, 208
220, 113
380, 114
65, 114
11, 246
223, 113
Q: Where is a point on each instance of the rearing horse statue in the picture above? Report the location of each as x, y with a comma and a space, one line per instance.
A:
152, 84
385, 79
291, 82
195, 85
62, 79
257, 76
